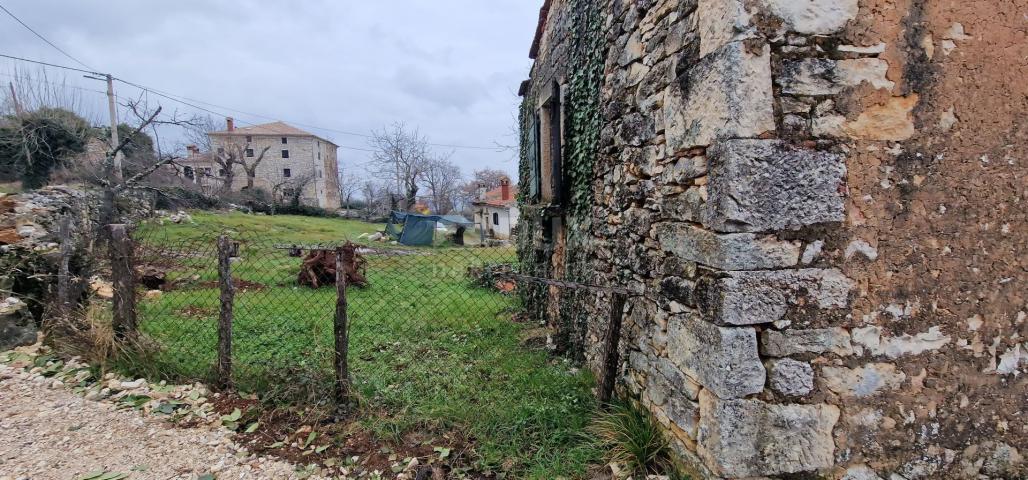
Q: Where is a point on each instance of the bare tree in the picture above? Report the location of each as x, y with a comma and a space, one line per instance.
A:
402, 156
199, 133
488, 177
348, 187
250, 167
376, 199
443, 180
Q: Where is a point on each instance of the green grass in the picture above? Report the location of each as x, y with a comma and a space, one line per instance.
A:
280, 228
429, 351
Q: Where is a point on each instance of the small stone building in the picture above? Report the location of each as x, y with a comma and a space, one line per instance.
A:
496, 210
821, 205
295, 159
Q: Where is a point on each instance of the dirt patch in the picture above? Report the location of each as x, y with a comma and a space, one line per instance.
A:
199, 313
342, 443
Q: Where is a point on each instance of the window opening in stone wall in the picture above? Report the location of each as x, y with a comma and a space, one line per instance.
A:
249, 139
549, 172
285, 153
287, 173
285, 140
496, 218
249, 152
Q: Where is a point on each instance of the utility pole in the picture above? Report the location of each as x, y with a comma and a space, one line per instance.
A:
114, 126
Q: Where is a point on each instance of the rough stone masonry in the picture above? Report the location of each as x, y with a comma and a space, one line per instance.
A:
822, 203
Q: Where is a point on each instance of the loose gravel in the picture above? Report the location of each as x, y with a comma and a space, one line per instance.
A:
48, 432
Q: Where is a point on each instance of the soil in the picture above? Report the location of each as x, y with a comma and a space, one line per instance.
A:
284, 432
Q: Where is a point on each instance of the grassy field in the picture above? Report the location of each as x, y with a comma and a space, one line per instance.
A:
429, 351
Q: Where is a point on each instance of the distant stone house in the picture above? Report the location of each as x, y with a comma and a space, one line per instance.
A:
496, 210
295, 159
819, 208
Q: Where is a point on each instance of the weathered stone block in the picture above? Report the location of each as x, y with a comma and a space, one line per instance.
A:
720, 23
729, 251
721, 359
791, 342
790, 377
750, 438
17, 327
813, 17
727, 94
725, 21
862, 381
761, 185
750, 298
823, 76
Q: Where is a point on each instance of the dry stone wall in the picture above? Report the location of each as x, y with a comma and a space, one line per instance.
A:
774, 176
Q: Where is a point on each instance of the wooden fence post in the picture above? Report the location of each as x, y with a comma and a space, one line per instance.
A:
228, 293
123, 276
611, 354
342, 347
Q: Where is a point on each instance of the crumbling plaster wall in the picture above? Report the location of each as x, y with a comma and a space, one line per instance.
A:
822, 203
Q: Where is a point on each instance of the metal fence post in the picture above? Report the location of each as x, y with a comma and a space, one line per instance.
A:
228, 293
611, 354
123, 277
344, 257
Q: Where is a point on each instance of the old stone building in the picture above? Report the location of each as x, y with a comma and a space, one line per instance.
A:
821, 207
294, 160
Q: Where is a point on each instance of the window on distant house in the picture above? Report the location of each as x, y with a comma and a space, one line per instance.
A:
221, 150
221, 172
287, 172
249, 139
207, 171
288, 192
249, 152
319, 155
496, 218
285, 140
188, 171
285, 153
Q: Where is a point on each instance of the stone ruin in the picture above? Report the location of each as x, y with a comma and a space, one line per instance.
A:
823, 205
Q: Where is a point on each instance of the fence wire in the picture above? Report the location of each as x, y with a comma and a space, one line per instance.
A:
421, 315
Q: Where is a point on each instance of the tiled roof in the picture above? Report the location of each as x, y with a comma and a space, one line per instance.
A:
270, 129
494, 197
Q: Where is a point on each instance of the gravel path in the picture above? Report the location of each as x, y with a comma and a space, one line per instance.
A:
48, 432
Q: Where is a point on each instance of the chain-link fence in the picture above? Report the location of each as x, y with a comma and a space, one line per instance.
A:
415, 315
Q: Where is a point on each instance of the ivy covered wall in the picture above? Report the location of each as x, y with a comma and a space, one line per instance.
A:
573, 54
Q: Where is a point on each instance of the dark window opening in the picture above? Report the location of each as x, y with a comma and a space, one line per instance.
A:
545, 155
221, 172
285, 153
221, 150
285, 140
249, 139
249, 152
496, 218
287, 172
188, 171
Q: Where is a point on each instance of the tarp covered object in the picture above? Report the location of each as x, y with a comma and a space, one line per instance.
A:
419, 230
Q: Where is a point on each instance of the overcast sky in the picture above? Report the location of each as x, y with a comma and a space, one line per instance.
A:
448, 67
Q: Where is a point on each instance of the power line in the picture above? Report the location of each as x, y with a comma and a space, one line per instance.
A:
65, 67
41, 37
182, 100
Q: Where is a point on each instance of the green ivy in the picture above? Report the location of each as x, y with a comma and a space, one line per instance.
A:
583, 123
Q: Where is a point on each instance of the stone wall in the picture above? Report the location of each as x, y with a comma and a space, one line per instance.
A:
309, 157
823, 205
